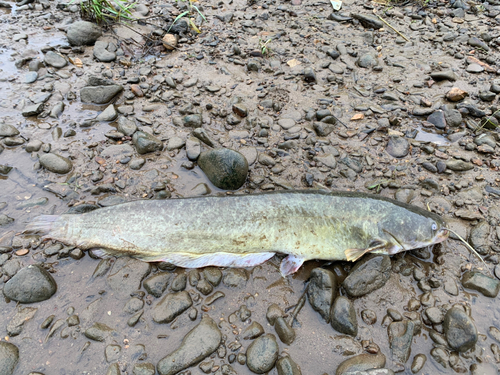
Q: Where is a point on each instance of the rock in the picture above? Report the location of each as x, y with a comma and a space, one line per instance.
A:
322, 129
175, 143
146, 143
99, 94
54, 59
109, 114
262, 354
284, 331
368, 20
453, 117
198, 344
398, 147
456, 94
437, 118
193, 148
367, 60
126, 276
253, 331
322, 291
101, 52
169, 41
144, 368
113, 369
83, 33
474, 68
400, 339
5, 220
55, 163
286, 366
459, 329
459, 165
227, 169
446, 75
32, 110
112, 352
361, 362
418, 362
343, 317
193, 121
9, 356
30, 284
158, 283
478, 237
440, 355
126, 126
98, 332
486, 285
369, 274
171, 306
7, 130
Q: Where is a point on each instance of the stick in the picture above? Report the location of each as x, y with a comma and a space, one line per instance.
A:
387, 23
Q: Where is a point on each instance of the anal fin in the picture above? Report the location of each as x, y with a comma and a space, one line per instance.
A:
353, 255
220, 259
290, 265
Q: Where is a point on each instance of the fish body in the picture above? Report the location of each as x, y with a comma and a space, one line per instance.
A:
246, 230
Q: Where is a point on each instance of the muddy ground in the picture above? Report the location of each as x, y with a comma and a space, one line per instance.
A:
261, 75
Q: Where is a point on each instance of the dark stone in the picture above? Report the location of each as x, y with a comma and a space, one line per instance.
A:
99, 94
30, 284
369, 274
400, 339
262, 354
460, 331
171, 306
343, 317
9, 356
398, 147
83, 33
286, 366
284, 331
361, 362
198, 344
146, 143
322, 291
486, 285
227, 169
438, 119
158, 283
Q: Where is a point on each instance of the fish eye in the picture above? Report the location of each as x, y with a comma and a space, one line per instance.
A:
434, 226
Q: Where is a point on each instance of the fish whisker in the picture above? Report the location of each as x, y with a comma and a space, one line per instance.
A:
467, 245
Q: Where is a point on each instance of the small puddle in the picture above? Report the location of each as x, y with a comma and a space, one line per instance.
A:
437, 139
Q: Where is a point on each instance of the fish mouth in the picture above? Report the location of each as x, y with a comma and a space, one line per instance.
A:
441, 235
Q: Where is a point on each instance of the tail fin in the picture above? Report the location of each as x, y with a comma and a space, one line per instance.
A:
41, 224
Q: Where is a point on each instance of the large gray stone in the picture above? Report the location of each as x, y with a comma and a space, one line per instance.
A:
145, 142
9, 356
343, 317
262, 354
55, 163
171, 306
30, 284
99, 94
7, 130
199, 343
484, 284
227, 169
83, 33
322, 291
459, 329
55, 60
369, 274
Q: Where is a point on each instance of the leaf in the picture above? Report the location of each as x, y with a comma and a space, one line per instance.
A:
177, 19
201, 14
191, 22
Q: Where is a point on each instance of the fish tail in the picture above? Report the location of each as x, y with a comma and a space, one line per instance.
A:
44, 225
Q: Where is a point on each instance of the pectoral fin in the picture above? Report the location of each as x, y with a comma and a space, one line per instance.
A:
353, 255
290, 265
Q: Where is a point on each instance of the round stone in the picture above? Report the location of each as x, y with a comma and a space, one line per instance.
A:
227, 169
262, 354
55, 163
31, 284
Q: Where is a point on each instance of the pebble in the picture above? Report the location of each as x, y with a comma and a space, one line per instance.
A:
193, 148
99, 94
98, 332
459, 165
398, 147
145, 143
171, 306
262, 354
227, 169
284, 331
198, 344
109, 114
418, 363
369, 274
286, 366
484, 284
158, 283
23, 315
343, 316
361, 362
459, 329
9, 357
55, 60
445, 75
400, 340
30, 284
175, 143
253, 331
32, 110
102, 53
7, 130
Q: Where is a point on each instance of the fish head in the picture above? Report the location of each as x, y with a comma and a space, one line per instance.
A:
412, 230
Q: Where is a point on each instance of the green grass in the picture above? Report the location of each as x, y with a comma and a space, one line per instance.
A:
104, 11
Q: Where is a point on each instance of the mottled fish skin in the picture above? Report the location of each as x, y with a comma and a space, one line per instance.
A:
306, 224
